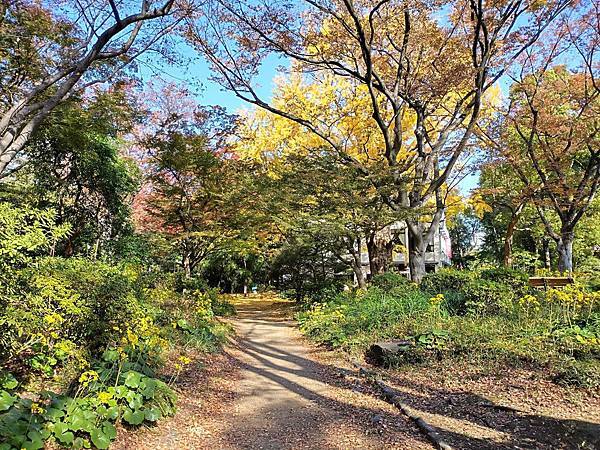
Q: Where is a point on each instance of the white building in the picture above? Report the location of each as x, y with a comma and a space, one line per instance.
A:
437, 253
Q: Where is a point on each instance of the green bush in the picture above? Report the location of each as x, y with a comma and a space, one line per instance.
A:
222, 307
584, 373
65, 307
112, 391
446, 280
515, 280
353, 318
390, 280
485, 297
26, 233
458, 314
189, 316
505, 275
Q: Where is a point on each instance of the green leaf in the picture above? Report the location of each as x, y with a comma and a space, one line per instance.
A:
110, 356
132, 379
59, 427
6, 400
112, 413
77, 422
35, 435
152, 414
53, 413
133, 417
109, 430
35, 444
183, 324
99, 439
134, 400
9, 381
121, 391
82, 424
65, 438
148, 387
78, 443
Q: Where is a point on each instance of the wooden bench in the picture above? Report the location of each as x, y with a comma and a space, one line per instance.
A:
550, 282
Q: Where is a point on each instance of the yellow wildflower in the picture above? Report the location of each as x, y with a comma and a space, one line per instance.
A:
437, 300
184, 360
132, 338
88, 376
104, 397
53, 319
37, 409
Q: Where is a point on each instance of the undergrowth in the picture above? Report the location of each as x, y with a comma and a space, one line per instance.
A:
485, 317
84, 347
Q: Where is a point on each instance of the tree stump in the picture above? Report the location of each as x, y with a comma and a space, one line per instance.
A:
380, 353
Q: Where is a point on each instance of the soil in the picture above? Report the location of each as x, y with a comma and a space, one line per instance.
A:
476, 407
271, 390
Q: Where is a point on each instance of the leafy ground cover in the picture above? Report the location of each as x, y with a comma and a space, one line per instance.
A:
84, 342
483, 317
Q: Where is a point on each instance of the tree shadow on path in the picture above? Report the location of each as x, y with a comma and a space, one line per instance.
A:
289, 400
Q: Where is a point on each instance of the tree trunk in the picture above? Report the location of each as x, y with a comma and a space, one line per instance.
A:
360, 277
565, 251
353, 246
358, 272
381, 247
245, 278
510, 232
546, 250
186, 262
416, 255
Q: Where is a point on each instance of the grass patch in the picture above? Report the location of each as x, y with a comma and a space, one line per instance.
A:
491, 319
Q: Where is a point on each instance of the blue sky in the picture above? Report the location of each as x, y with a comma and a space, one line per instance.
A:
211, 93
197, 72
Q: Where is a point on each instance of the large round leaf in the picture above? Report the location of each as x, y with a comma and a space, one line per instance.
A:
133, 417
99, 439
132, 379
6, 400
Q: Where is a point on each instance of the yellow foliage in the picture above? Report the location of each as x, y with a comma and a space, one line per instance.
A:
478, 204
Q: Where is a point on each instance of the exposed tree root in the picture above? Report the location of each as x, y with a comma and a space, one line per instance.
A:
392, 397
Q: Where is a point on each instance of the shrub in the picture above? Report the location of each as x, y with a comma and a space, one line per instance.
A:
446, 280
109, 392
352, 318
485, 297
505, 275
584, 373
66, 308
515, 280
460, 315
390, 280
26, 232
221, 307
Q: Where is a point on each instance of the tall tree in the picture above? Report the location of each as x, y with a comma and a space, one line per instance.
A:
75, 167
424, 65
506, 194
187, 188
321, 197
51, 50
553, 129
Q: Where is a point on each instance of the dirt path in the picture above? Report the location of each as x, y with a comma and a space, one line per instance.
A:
269, 391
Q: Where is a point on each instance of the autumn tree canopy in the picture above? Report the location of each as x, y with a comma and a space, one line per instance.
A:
51, 50
425, 75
